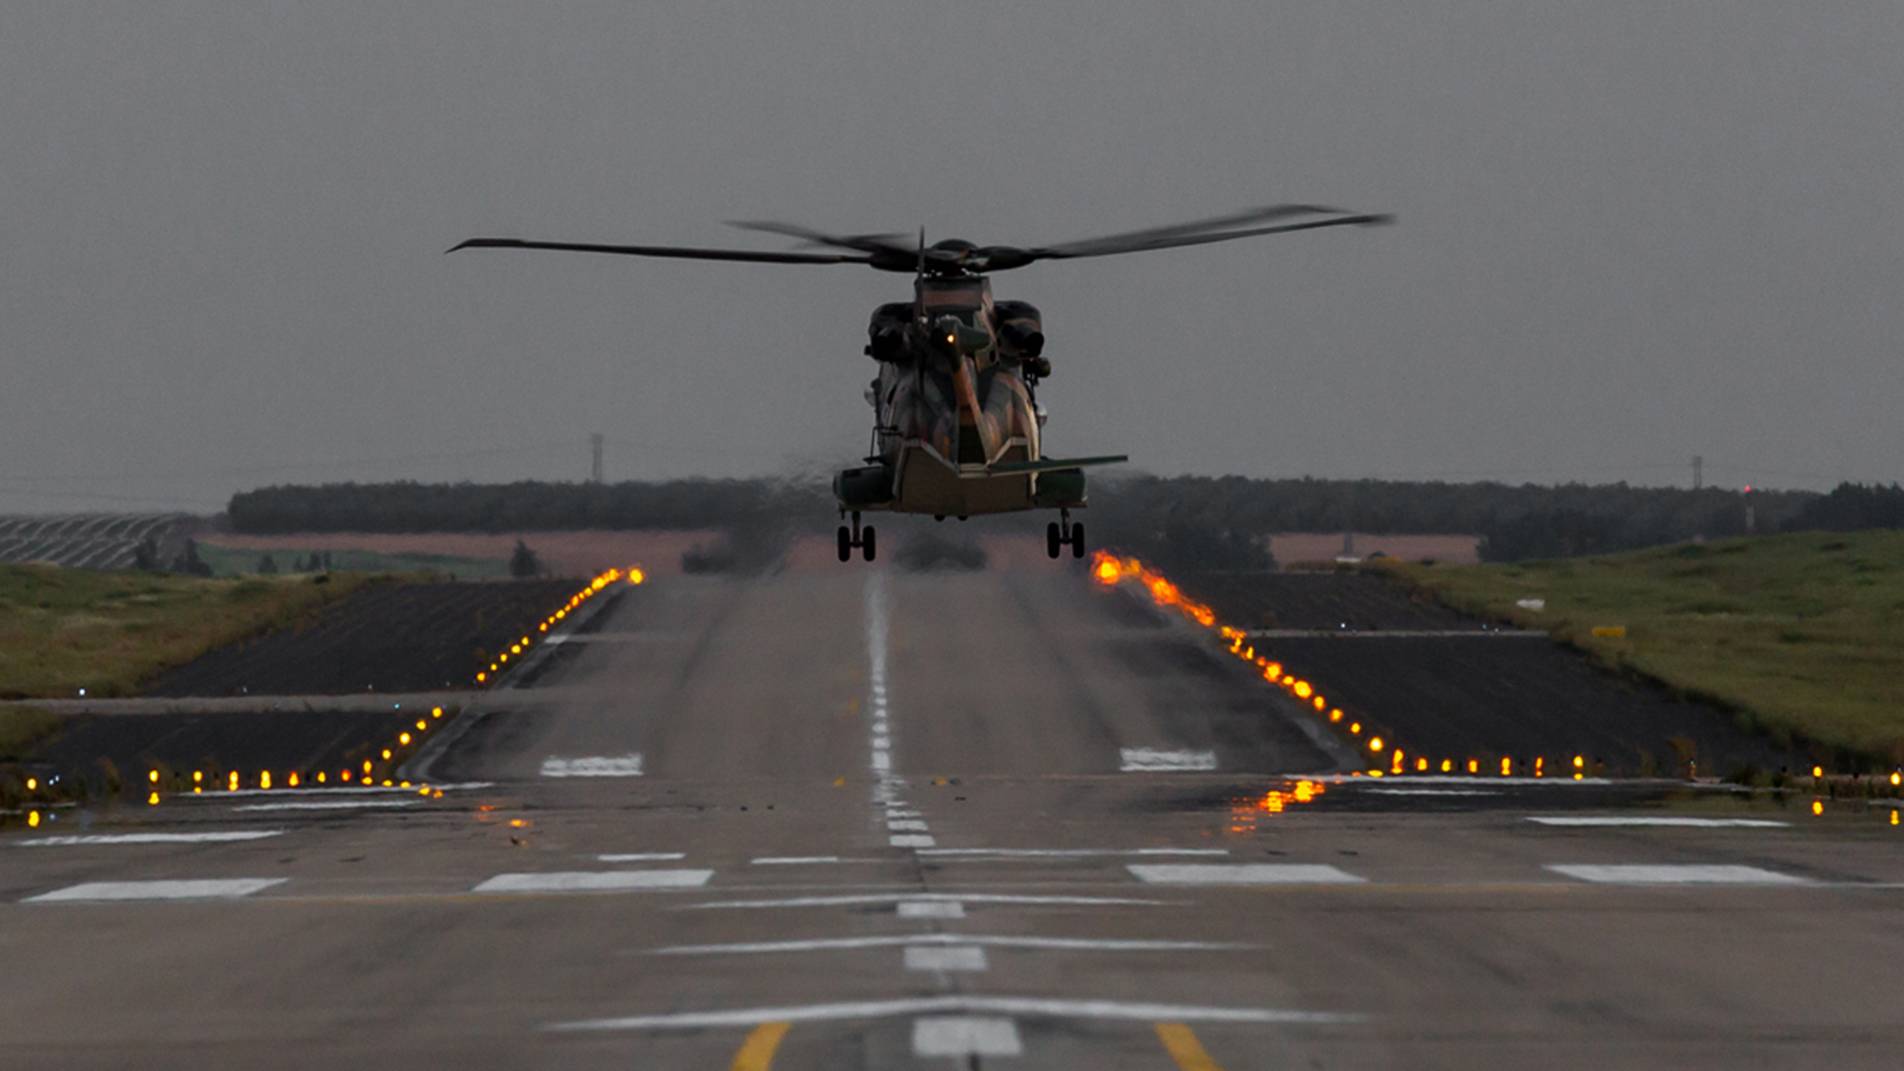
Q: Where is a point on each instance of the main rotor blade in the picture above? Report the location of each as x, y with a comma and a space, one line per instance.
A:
876, 244
1144, 239
682, 252
1170, 241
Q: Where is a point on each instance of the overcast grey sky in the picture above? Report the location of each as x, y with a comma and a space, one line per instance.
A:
1629, 232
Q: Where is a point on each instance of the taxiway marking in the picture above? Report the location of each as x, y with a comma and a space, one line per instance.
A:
1594, 821
595, 881
965, 1035
204, 889
1046, 1007
1241, 874
1147, 760
1185, 1050
628, 765
757, 1052
1662, 874
211, 837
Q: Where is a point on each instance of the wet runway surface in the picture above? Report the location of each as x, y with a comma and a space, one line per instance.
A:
869, 819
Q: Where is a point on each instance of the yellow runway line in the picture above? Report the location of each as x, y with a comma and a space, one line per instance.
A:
757, 1052
1181, 1043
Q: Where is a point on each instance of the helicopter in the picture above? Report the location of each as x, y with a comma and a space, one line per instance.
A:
957, 426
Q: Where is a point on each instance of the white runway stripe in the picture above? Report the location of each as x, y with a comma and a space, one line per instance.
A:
640, 857
595, 881
1241, 874
1054, 1008
1066, 853
209, 837
327, 805
854, 899
1045, 944
945, 958
1144, 759
1594, 821
628, 765
911, 840
966, 1036
1660, 874
208, 889
796, 860
340, 790
931, 909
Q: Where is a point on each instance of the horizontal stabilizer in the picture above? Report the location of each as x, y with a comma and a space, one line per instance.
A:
1049, 464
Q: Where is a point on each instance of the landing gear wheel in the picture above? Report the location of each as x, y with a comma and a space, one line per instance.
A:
1052, 541
846, 544
867, 545
1077, 540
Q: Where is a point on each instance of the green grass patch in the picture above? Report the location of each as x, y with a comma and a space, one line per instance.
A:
66, 629
232, 561
23, 727
1802, 632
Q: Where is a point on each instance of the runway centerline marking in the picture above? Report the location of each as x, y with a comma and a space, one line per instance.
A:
204, 889
1667, 821
640, 857
1042, 1007
940, 957
209, 837
1064, 853
1663, 874
1146, 760
931, 909
328, 805
595, 881
911, 840
628, 765
796, 860
907, 827
1242, 874
965, 1035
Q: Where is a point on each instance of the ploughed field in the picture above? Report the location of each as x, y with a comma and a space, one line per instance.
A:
389, 638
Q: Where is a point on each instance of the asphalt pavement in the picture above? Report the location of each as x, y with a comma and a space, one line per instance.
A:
863, 818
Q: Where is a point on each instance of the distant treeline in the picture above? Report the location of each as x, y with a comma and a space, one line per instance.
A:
1215, 522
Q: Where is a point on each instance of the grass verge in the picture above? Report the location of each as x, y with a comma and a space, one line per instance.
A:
62, 630
1800, 632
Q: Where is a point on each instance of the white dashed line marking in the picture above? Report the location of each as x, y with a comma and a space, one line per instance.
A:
795, 860
1041, 944
1065, 853
1148, 760
328, 805
905, 825
1591, 821
911, 840
965, 1035
595, 881
210, 889
931, 909
945, 958
628, 765
219, 837
1661, 874
1241, 874
857, 899
640, 857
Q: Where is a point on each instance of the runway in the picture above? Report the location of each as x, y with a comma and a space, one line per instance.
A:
862, 818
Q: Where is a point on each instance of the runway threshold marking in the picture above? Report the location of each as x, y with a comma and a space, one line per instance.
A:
628, 765
957, 1004
1148, 760
1185, 1050
1667, 821
1663, 874
595, 881
204, 889
209, 837
1242, 874
757, 1052
965, 1035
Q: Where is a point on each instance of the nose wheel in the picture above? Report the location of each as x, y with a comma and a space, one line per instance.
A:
1062, 533
865, 539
